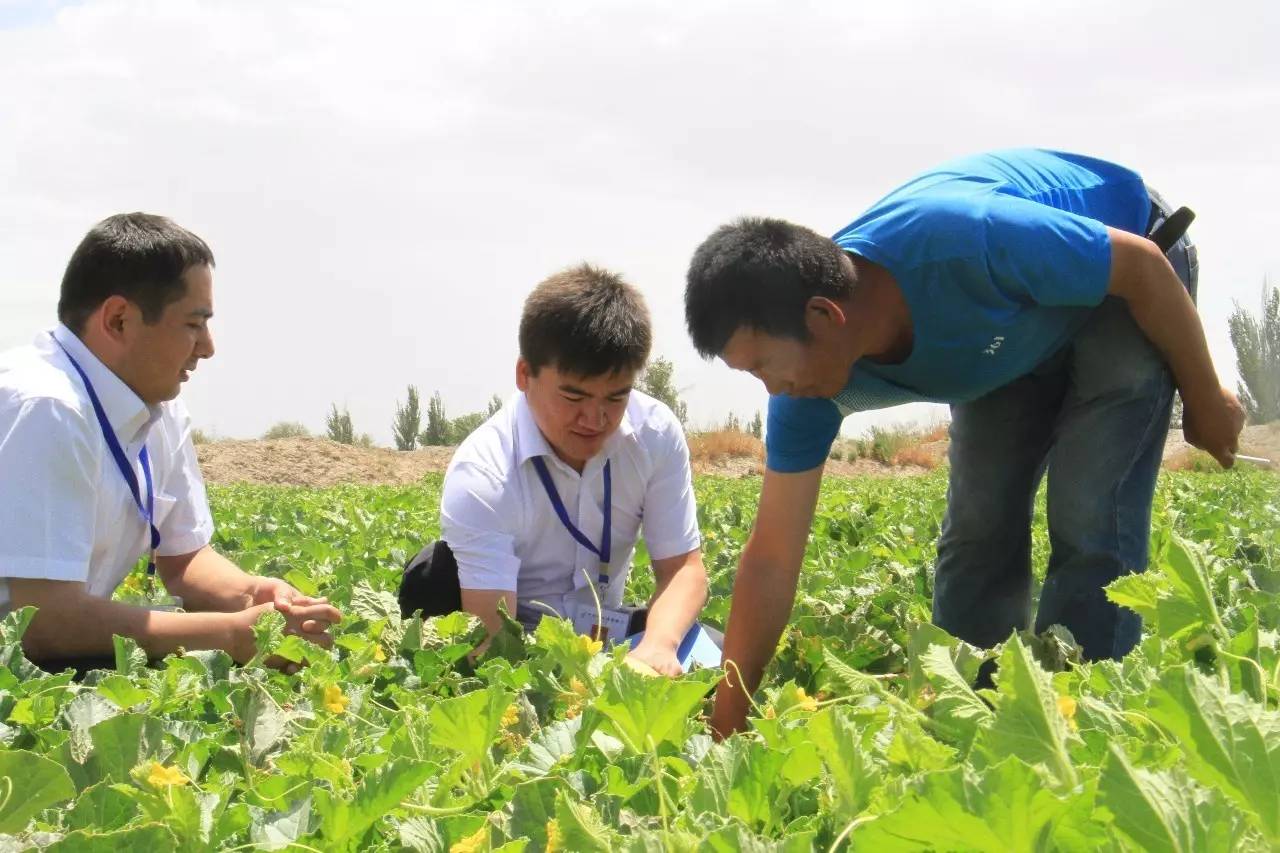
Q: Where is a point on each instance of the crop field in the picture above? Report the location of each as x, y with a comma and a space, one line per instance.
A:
867, 734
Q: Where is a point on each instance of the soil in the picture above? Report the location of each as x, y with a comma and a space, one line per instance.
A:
320, 462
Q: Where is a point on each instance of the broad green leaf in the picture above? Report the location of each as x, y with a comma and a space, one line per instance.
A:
852, 773
548, 748
102, 807
1027, 721
646, 711
15, 624
956, 710
148, 838
122, 692
1231, 743
1162, 814
469, 724
374, 604
580, 829
1007, 807
278, 830
532, 806
741, 778
29, 784
343, 822
131, 660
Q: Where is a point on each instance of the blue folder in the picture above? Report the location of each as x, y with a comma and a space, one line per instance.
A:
698, 648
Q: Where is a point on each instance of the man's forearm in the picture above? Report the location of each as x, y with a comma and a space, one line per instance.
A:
206, 580
71, 623
763, 596
676, 605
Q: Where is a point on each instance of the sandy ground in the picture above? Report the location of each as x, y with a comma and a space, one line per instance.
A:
320, 462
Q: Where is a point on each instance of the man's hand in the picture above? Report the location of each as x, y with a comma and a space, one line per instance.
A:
659, 657
1213, 424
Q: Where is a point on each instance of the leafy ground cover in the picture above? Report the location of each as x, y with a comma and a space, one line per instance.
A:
867, 735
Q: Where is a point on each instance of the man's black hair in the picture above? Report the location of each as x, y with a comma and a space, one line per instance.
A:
139, 256
759, 274
585, 321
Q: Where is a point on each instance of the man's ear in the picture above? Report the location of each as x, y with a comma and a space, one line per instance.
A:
111, 317
823, 315
523, 374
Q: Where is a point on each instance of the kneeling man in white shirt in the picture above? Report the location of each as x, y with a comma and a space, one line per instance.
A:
544, 502
97, 469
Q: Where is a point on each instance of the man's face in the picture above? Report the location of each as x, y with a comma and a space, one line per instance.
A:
160, 356
576, 414
813, 368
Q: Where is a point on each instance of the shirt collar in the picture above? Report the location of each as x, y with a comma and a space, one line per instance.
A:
530, 441
128, 415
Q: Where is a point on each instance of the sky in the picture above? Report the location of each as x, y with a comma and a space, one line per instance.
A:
382, 183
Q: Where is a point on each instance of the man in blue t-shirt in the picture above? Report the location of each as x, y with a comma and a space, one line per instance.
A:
1017, 286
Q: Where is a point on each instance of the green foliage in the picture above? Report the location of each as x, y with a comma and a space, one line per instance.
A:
338, 426
408, 421
756, 428
286, 429
658, 381
461, 427
437, 433
1257, 344
867, 734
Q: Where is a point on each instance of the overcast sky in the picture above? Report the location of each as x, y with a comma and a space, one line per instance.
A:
382, 183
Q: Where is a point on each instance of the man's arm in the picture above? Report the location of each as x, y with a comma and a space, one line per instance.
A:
680, 595
72, 623
1160, 305
764, 590
483, 604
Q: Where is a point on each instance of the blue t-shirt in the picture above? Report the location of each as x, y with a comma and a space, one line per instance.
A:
1000, 256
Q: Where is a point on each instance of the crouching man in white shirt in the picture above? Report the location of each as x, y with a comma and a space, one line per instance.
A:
543, 503
97, 468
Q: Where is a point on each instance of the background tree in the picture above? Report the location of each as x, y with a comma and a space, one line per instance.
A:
1175, 417
437, 432
287, 429
408, 422
1257, 343
495, 403
463, 426
658, 381
732, 424
338, 426
757, 426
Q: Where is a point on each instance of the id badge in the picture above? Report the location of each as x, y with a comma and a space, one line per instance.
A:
606, 625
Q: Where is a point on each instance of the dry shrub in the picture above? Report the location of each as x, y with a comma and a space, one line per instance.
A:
937, 432
916, 455
708, 448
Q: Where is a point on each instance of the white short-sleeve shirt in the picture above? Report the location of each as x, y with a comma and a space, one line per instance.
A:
66, 512
500, 524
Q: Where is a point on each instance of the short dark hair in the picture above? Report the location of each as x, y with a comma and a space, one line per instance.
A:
585, 321
759, 274
139, 256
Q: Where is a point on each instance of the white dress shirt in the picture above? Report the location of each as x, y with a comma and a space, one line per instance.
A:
66, 512
500, 524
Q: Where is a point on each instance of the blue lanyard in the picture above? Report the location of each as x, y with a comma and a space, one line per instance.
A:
148, 510
603, 552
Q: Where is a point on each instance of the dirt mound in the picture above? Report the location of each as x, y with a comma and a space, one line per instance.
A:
321, 462
315, 462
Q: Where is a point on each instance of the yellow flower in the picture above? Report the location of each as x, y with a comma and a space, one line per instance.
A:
588, 645
334, 700
576, 696
378, 654
1067, 707
472, 843
555, 839
511, 716
159, 776
804, 701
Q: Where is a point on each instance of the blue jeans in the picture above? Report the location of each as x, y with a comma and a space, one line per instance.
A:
1094, 417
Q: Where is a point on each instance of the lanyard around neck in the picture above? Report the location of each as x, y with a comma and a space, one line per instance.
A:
147, 509
605, 549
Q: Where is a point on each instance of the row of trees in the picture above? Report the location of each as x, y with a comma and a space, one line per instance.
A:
408, 432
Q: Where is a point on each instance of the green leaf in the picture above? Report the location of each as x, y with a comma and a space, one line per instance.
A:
1231, 743
646, 711
121, 743
29, 784
148, 838
852, 772
379, 792
469, 724
532, 805
740, 777
581, 829
956, 710
15, 624
121, 691
101, 807
1007, 807
1160, 813
1027, 721
131, 660
374, 604
278, 830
